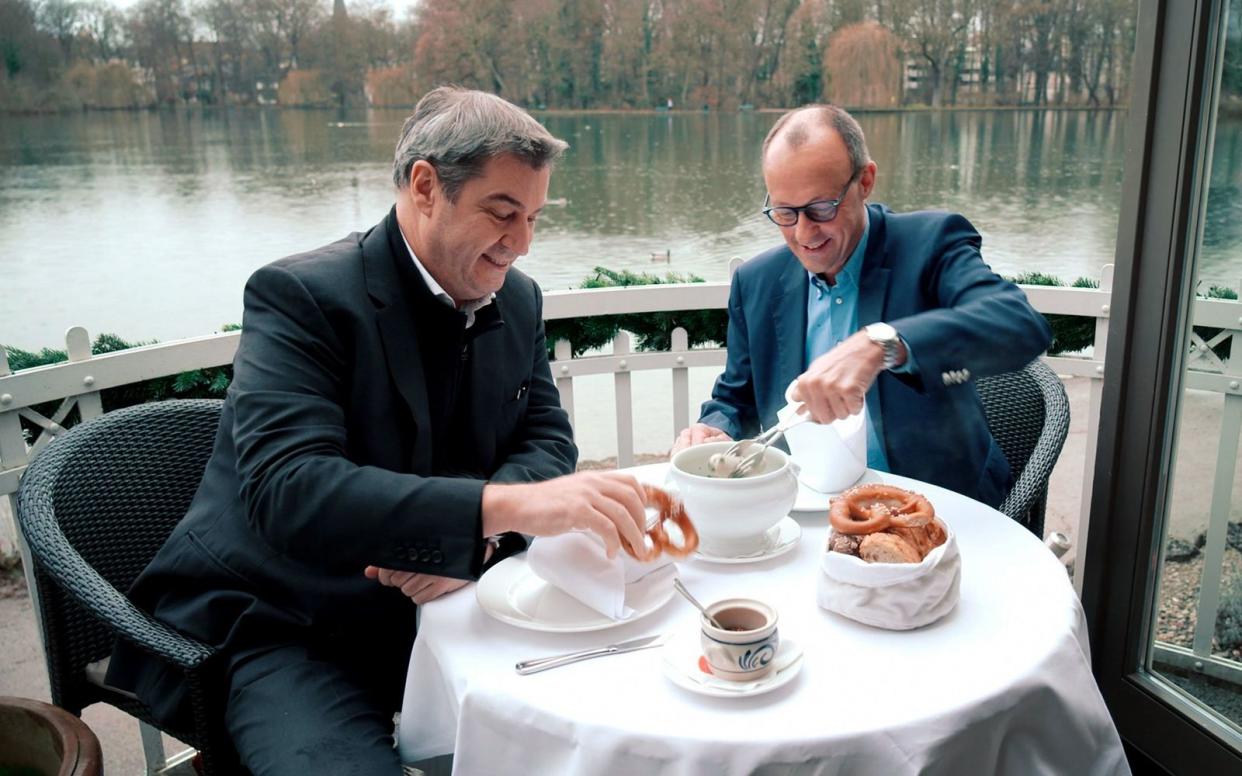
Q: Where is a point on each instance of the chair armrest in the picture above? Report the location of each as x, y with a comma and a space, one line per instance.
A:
56, 557
1034, 479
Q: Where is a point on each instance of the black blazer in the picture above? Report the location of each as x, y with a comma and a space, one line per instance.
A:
923, 274
322, 463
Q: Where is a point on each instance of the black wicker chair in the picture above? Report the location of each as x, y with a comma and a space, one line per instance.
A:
1028, 413
94, 507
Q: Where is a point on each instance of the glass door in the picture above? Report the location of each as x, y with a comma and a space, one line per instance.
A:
1163, 573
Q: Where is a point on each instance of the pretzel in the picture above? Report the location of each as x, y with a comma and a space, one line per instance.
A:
671, 509
866, 509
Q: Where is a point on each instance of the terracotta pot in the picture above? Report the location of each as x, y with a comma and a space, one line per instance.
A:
38, 738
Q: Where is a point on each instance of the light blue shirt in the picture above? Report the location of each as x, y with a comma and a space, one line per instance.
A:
831, 316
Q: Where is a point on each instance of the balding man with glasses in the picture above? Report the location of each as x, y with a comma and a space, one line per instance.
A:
864, 307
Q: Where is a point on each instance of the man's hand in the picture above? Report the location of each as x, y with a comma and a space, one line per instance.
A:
607, 503
835, 384
419, 588
697, 434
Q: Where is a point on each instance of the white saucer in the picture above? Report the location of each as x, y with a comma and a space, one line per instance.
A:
810, 500
680, 663
778, 540
511, 593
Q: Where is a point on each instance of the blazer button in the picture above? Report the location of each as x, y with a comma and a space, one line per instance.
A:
424, 556
946, 378
437, 557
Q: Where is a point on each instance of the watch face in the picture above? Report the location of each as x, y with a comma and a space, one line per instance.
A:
885, 336
882, 332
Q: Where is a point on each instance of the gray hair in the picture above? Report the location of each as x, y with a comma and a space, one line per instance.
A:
459, 130
793, 125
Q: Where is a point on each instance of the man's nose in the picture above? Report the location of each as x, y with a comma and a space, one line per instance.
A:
806, 230
518, 237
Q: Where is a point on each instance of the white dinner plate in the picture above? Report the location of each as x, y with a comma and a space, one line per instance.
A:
778, 540
512, 593
680, 662
810, 500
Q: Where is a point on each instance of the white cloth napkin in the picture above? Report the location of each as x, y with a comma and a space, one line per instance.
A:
896, 596
830, 456
577, 564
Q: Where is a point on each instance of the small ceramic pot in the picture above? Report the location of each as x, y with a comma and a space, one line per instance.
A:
744, 648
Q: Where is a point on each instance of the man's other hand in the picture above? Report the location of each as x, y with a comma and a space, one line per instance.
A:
835, 384
419, 588
609, 504
697, 434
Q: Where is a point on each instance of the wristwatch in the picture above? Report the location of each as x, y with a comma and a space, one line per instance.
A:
886, 337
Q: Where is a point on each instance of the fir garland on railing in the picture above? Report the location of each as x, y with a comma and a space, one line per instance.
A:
1070, 333
207, 383
652, 331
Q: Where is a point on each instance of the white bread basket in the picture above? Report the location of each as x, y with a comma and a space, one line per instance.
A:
894, 596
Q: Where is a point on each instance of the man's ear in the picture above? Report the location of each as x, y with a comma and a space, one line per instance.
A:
866, 179
424, 187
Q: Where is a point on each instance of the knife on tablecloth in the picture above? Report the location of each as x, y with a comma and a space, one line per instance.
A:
552, 661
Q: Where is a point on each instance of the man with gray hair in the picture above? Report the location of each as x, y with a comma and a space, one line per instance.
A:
862, 306
391, 431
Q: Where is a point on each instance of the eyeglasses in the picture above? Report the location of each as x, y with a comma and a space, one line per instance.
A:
821, 211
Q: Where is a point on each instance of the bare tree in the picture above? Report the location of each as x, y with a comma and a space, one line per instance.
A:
60, 18
294, 20
160, 32
802, 77
768, 44
104, 26
937, 33
227, 29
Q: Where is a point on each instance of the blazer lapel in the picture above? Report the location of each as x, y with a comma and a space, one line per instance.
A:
790, 317
872, 295
873, 282
398, 333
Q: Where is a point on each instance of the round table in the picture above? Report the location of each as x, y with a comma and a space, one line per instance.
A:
1002, 685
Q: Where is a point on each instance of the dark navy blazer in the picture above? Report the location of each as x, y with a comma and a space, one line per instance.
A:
323, 464
923, 274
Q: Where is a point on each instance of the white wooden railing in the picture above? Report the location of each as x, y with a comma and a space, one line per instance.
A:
77, 383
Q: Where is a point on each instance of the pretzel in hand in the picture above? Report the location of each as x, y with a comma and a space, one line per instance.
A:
656, 538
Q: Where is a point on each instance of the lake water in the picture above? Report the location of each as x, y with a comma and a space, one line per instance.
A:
147, 224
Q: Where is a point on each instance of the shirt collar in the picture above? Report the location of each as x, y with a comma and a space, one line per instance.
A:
849, 274
469, 307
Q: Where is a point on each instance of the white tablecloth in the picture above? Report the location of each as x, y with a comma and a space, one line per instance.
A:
1002, 685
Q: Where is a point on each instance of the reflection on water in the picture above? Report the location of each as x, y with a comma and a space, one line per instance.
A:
1220, 259
147, 224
